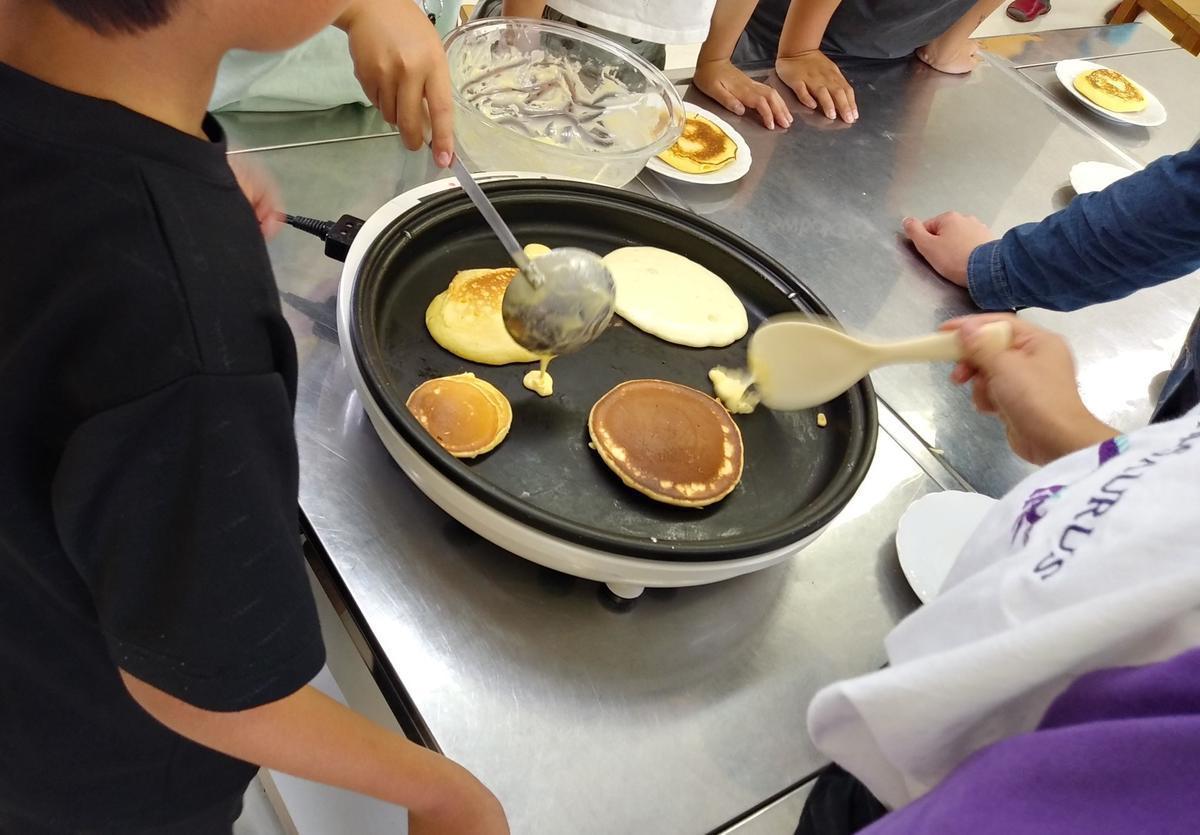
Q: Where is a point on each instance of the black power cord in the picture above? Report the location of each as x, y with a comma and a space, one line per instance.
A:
337, 234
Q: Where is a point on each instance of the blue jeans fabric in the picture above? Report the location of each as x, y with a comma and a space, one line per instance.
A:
1141, 231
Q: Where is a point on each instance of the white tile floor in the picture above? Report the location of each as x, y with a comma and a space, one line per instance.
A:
1064, 14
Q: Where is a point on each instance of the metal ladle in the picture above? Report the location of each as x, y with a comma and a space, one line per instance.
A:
560, 301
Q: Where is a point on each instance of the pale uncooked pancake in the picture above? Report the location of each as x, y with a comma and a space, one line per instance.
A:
467, 416
1111, 90
674, 298
669, 442
701, 148
465, 319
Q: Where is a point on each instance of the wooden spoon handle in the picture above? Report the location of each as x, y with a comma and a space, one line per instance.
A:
942, 347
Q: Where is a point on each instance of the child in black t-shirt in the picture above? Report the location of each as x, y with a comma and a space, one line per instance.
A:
156, 626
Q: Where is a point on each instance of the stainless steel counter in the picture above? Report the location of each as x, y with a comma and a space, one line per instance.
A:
261, 131
676, 716
1173, 76
827, 200
686, 712
1090, 42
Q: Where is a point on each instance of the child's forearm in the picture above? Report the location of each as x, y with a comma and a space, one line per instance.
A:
314, 737
525, 8
805, 26
729, 20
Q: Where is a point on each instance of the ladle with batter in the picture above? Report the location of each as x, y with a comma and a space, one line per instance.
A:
560, 301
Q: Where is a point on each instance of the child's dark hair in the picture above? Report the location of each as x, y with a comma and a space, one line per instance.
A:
110, 17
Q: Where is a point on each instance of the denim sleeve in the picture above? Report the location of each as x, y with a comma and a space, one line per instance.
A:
1139, 232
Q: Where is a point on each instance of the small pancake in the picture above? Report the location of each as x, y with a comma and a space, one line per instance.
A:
674, 298
1111, 90
701, 148
464, 414
672, 443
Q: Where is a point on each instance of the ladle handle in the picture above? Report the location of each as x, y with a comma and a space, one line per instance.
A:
507, 238
943, 347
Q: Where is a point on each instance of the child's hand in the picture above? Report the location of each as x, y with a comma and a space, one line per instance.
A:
951, 54
261, 192
947, 241
819, 84
735, 91
400, 63
1030, 386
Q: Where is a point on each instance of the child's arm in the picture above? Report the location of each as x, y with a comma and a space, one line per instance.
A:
816, 80
953, 51
309, 735
525, 8
720, 80
400, 63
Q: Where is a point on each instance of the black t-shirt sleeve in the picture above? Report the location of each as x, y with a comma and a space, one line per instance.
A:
179, 510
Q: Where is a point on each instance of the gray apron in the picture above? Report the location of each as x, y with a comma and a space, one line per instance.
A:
652, 53
858, 28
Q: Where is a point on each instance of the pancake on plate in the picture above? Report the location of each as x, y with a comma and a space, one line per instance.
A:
1111, 90
701, 148
465, 319
674, 298
672, 443
466, 415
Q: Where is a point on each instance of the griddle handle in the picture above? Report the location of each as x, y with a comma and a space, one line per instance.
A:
337, 234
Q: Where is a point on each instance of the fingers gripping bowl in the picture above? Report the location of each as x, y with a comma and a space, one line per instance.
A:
541, 96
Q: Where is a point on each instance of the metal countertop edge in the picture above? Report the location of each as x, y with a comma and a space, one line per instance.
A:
1037, 64
929, 460
1167, 48
763, 808
306, 144
390, 685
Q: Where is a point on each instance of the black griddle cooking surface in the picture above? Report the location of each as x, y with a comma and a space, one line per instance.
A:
797, 475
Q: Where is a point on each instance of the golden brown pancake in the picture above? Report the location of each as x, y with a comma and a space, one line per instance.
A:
466, 319
1111, 90
464, 414
673, 443
701, 148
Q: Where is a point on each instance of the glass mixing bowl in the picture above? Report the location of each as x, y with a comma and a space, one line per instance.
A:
538, 96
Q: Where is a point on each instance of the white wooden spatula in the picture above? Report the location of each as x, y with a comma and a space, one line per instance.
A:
797, 363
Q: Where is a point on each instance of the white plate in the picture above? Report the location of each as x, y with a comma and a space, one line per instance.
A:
1087, 177
932, 532
734, 171
1154, 114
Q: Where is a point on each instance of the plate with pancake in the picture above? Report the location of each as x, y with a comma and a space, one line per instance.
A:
1111, 94
710, 151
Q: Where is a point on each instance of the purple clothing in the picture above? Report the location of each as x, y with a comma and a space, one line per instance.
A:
1118, 751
